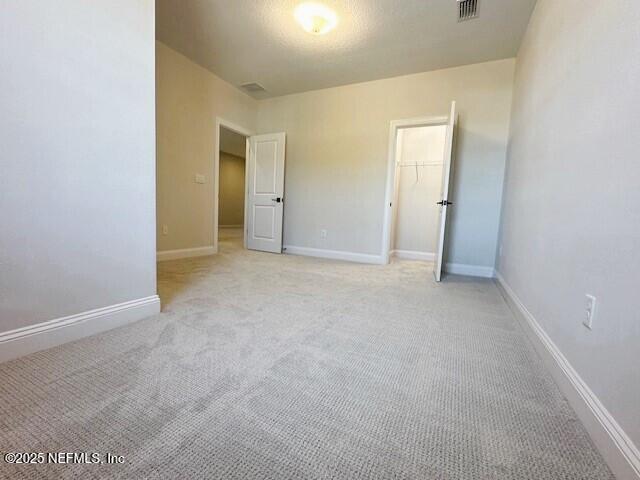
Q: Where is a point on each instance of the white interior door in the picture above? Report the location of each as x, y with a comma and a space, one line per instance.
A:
265, 199
444, 193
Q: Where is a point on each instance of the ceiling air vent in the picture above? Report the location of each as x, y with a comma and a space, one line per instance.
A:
253, 87
467, 9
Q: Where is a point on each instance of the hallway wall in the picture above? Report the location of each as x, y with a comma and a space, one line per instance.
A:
232, 176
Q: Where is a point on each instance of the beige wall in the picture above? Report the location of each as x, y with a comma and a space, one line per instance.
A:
418, 189
571, 219
189, 98
337, 144
77, 168
231, 195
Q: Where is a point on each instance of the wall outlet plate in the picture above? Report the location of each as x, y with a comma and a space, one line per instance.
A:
323, 233
200, 178
590, 311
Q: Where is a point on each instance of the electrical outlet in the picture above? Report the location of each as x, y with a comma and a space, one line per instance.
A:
590, 311
323, 233
500, 250
165, 229
199, 178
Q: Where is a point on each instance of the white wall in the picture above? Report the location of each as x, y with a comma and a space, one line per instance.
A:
337, 145
571, 219
418, 189
231, 194
189, 100
77, 157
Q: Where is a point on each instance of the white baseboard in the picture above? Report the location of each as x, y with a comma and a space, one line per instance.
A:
26, 340
334, 254
620, 453
470, 270
185, 253
413, 255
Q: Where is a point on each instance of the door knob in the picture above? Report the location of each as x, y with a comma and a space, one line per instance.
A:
277, 199
444, 203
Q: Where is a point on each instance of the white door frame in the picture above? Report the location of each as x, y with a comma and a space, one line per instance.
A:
221, 122
390, 204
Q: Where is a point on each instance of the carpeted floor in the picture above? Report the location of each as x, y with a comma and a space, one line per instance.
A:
280, 367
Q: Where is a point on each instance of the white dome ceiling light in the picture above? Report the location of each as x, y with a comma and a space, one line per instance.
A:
316, 18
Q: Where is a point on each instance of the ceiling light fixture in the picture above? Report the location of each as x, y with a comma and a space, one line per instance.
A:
315, 18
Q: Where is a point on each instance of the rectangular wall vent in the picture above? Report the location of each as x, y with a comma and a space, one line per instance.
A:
253, 87
467, 9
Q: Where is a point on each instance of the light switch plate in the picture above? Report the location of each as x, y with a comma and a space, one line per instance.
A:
200, 178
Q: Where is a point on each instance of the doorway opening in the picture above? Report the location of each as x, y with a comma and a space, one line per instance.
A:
230, 184
419, 165
231, 187
248, 192
417, 200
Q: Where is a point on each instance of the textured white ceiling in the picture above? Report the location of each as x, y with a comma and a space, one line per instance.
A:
259, 41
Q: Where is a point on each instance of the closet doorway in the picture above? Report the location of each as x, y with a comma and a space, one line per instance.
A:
420, 153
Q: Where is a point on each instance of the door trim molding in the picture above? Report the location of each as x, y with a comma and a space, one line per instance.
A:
618, 450
389, 197
41, 336
221, 122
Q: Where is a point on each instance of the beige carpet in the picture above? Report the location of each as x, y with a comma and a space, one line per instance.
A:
279, 367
